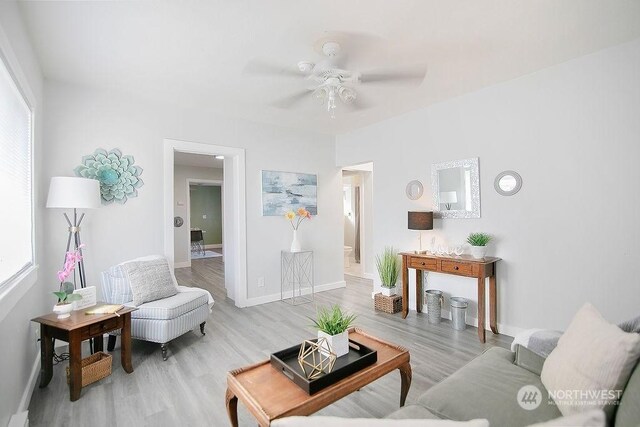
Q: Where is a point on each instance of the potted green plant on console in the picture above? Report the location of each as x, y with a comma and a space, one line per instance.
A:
65, 300
388, 269
478, 242
333, 324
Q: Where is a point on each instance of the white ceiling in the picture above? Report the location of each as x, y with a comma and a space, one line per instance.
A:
197, 160
192, 54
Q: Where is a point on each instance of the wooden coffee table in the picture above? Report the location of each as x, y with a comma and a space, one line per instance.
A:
269, 395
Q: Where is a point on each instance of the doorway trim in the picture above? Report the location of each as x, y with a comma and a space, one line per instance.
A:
208, 182
235, 232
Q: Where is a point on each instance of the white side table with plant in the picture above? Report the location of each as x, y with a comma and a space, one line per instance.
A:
333, 325
388, 266
478, 242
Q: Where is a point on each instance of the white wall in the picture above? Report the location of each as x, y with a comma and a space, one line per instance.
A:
80, 120
181, 173
571, 234
20, 353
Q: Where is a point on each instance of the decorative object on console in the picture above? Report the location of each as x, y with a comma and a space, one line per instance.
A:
478, 242
74, 193
420, 220
333, 325
508, 183
316, 358
118, 176
414, 190
388, 267
65, 294
302, 214
461, 177
288, 191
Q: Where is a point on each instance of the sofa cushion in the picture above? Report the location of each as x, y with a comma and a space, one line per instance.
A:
628, 413
487, 387
150, 280
529, 360
317, 421
412, 412
171, 307
115, 286
593, 418
592, 356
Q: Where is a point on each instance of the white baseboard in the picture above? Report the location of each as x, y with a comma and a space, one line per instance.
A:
276, 297
182, 264
31, 385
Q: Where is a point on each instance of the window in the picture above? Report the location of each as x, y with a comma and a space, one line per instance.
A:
16, 199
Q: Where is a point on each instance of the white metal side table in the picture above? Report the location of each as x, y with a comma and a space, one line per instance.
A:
296, 277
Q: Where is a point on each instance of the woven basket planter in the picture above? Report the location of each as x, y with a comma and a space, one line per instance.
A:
387, 304
94, 368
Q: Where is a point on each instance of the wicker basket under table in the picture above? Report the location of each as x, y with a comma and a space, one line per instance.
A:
392, 304
94, 368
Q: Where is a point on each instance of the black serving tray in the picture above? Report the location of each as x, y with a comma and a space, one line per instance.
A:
358, 358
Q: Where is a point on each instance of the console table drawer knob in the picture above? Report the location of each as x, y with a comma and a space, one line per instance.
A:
456, 268
423, 263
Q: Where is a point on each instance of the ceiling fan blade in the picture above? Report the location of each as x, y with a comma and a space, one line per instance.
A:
264, 68
360, 103
408, 75
293, 99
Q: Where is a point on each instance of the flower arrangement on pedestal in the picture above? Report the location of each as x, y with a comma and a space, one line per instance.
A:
301, 215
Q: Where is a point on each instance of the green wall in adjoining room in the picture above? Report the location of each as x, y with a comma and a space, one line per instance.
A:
207, 200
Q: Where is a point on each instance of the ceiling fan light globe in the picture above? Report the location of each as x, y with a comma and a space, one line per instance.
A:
347, 95
305, 66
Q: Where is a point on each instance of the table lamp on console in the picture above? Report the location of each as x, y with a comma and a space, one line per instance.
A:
75, 193
420, 220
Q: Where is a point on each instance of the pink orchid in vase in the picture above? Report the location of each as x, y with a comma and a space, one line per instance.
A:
65, 294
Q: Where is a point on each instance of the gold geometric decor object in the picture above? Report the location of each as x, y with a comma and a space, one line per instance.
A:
316, 358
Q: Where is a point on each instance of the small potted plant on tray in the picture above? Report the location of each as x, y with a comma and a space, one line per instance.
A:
478, 242
65, 294
388, 269
333, 324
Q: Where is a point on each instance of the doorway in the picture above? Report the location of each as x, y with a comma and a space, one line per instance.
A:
357, 185
230, 178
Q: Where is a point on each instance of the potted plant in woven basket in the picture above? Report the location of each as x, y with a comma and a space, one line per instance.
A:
478, 242
388, 269
333, 325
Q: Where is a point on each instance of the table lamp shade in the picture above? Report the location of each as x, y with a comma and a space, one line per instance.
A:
69, 192
420, 220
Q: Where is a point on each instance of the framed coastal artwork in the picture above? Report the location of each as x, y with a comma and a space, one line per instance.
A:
285, 191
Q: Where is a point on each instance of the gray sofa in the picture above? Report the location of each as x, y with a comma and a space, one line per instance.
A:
487, 387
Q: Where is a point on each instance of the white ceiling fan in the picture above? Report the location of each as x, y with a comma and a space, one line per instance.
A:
332, 81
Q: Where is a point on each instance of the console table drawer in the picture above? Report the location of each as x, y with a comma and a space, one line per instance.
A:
100, 328
423, 263
462, 268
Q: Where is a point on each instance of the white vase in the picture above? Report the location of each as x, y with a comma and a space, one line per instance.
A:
339, 343
478, 252
388, 292
63, 310
295, 244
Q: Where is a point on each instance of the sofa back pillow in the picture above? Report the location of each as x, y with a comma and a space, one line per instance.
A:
591, 364
150, 280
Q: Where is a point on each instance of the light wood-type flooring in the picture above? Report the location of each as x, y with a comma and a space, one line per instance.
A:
188, 389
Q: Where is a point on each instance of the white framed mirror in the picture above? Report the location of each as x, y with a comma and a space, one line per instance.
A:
508, 183
456, 188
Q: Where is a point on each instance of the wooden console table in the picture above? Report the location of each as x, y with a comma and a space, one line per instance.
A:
459, 266
74, 330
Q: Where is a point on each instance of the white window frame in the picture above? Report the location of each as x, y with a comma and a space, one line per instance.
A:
13, 289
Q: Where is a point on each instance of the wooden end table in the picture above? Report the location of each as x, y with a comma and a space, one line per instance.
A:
74, 330
268, 394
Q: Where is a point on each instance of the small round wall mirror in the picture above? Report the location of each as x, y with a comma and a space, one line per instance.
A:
414, 190
508, 183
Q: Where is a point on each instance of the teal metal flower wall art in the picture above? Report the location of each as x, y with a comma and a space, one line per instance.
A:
119, 177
